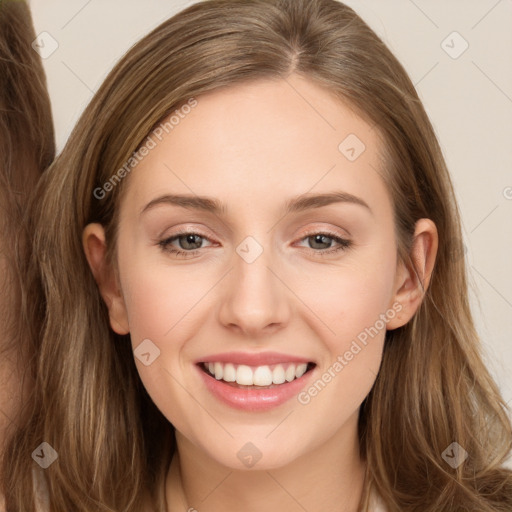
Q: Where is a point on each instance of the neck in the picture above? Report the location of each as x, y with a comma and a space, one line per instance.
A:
330, 477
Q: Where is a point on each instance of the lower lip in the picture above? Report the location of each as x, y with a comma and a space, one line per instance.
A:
254, 399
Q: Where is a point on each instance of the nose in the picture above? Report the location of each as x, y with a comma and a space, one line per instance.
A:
254, 300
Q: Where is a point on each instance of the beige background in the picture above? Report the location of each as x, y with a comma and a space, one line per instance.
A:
469, 100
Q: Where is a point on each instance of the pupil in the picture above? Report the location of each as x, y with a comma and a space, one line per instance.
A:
191, 239
320, 239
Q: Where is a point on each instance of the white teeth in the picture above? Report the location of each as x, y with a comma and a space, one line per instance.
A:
229, 373
256, 376
290, 373
262, 376
244, 375
278, 376
301, 370
218, 371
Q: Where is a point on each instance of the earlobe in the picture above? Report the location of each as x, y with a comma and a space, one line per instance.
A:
413, 279
95, 248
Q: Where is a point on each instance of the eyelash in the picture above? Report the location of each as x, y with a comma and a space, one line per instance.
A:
343, 244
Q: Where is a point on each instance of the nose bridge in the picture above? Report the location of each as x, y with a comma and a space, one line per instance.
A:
255, 299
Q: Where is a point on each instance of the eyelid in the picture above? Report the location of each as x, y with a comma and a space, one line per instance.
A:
319, 227
325, 230
186, 229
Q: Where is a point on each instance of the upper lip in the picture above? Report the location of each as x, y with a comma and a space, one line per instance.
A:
253, 359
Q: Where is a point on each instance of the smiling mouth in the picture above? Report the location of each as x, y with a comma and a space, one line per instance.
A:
256, 377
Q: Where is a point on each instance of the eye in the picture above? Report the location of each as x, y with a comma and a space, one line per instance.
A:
189, 243
321, 243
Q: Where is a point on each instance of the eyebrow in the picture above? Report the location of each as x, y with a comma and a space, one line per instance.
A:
294, 205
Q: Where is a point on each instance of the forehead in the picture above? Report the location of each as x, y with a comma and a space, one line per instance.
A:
260, 140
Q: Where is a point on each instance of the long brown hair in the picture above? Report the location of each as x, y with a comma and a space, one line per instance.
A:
432, 388
27, 147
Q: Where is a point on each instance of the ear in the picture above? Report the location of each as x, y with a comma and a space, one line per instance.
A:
409, 287
95, 248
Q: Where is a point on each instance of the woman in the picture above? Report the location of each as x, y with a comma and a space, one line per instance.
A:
245, 250
27, 147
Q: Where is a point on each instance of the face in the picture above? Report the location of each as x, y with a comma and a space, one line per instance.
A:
294, 269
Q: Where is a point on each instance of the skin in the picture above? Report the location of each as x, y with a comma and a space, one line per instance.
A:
253, 147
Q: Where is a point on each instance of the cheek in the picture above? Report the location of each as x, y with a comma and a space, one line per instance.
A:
352, 305
349, 298
160, 304
157, 293
157, 299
